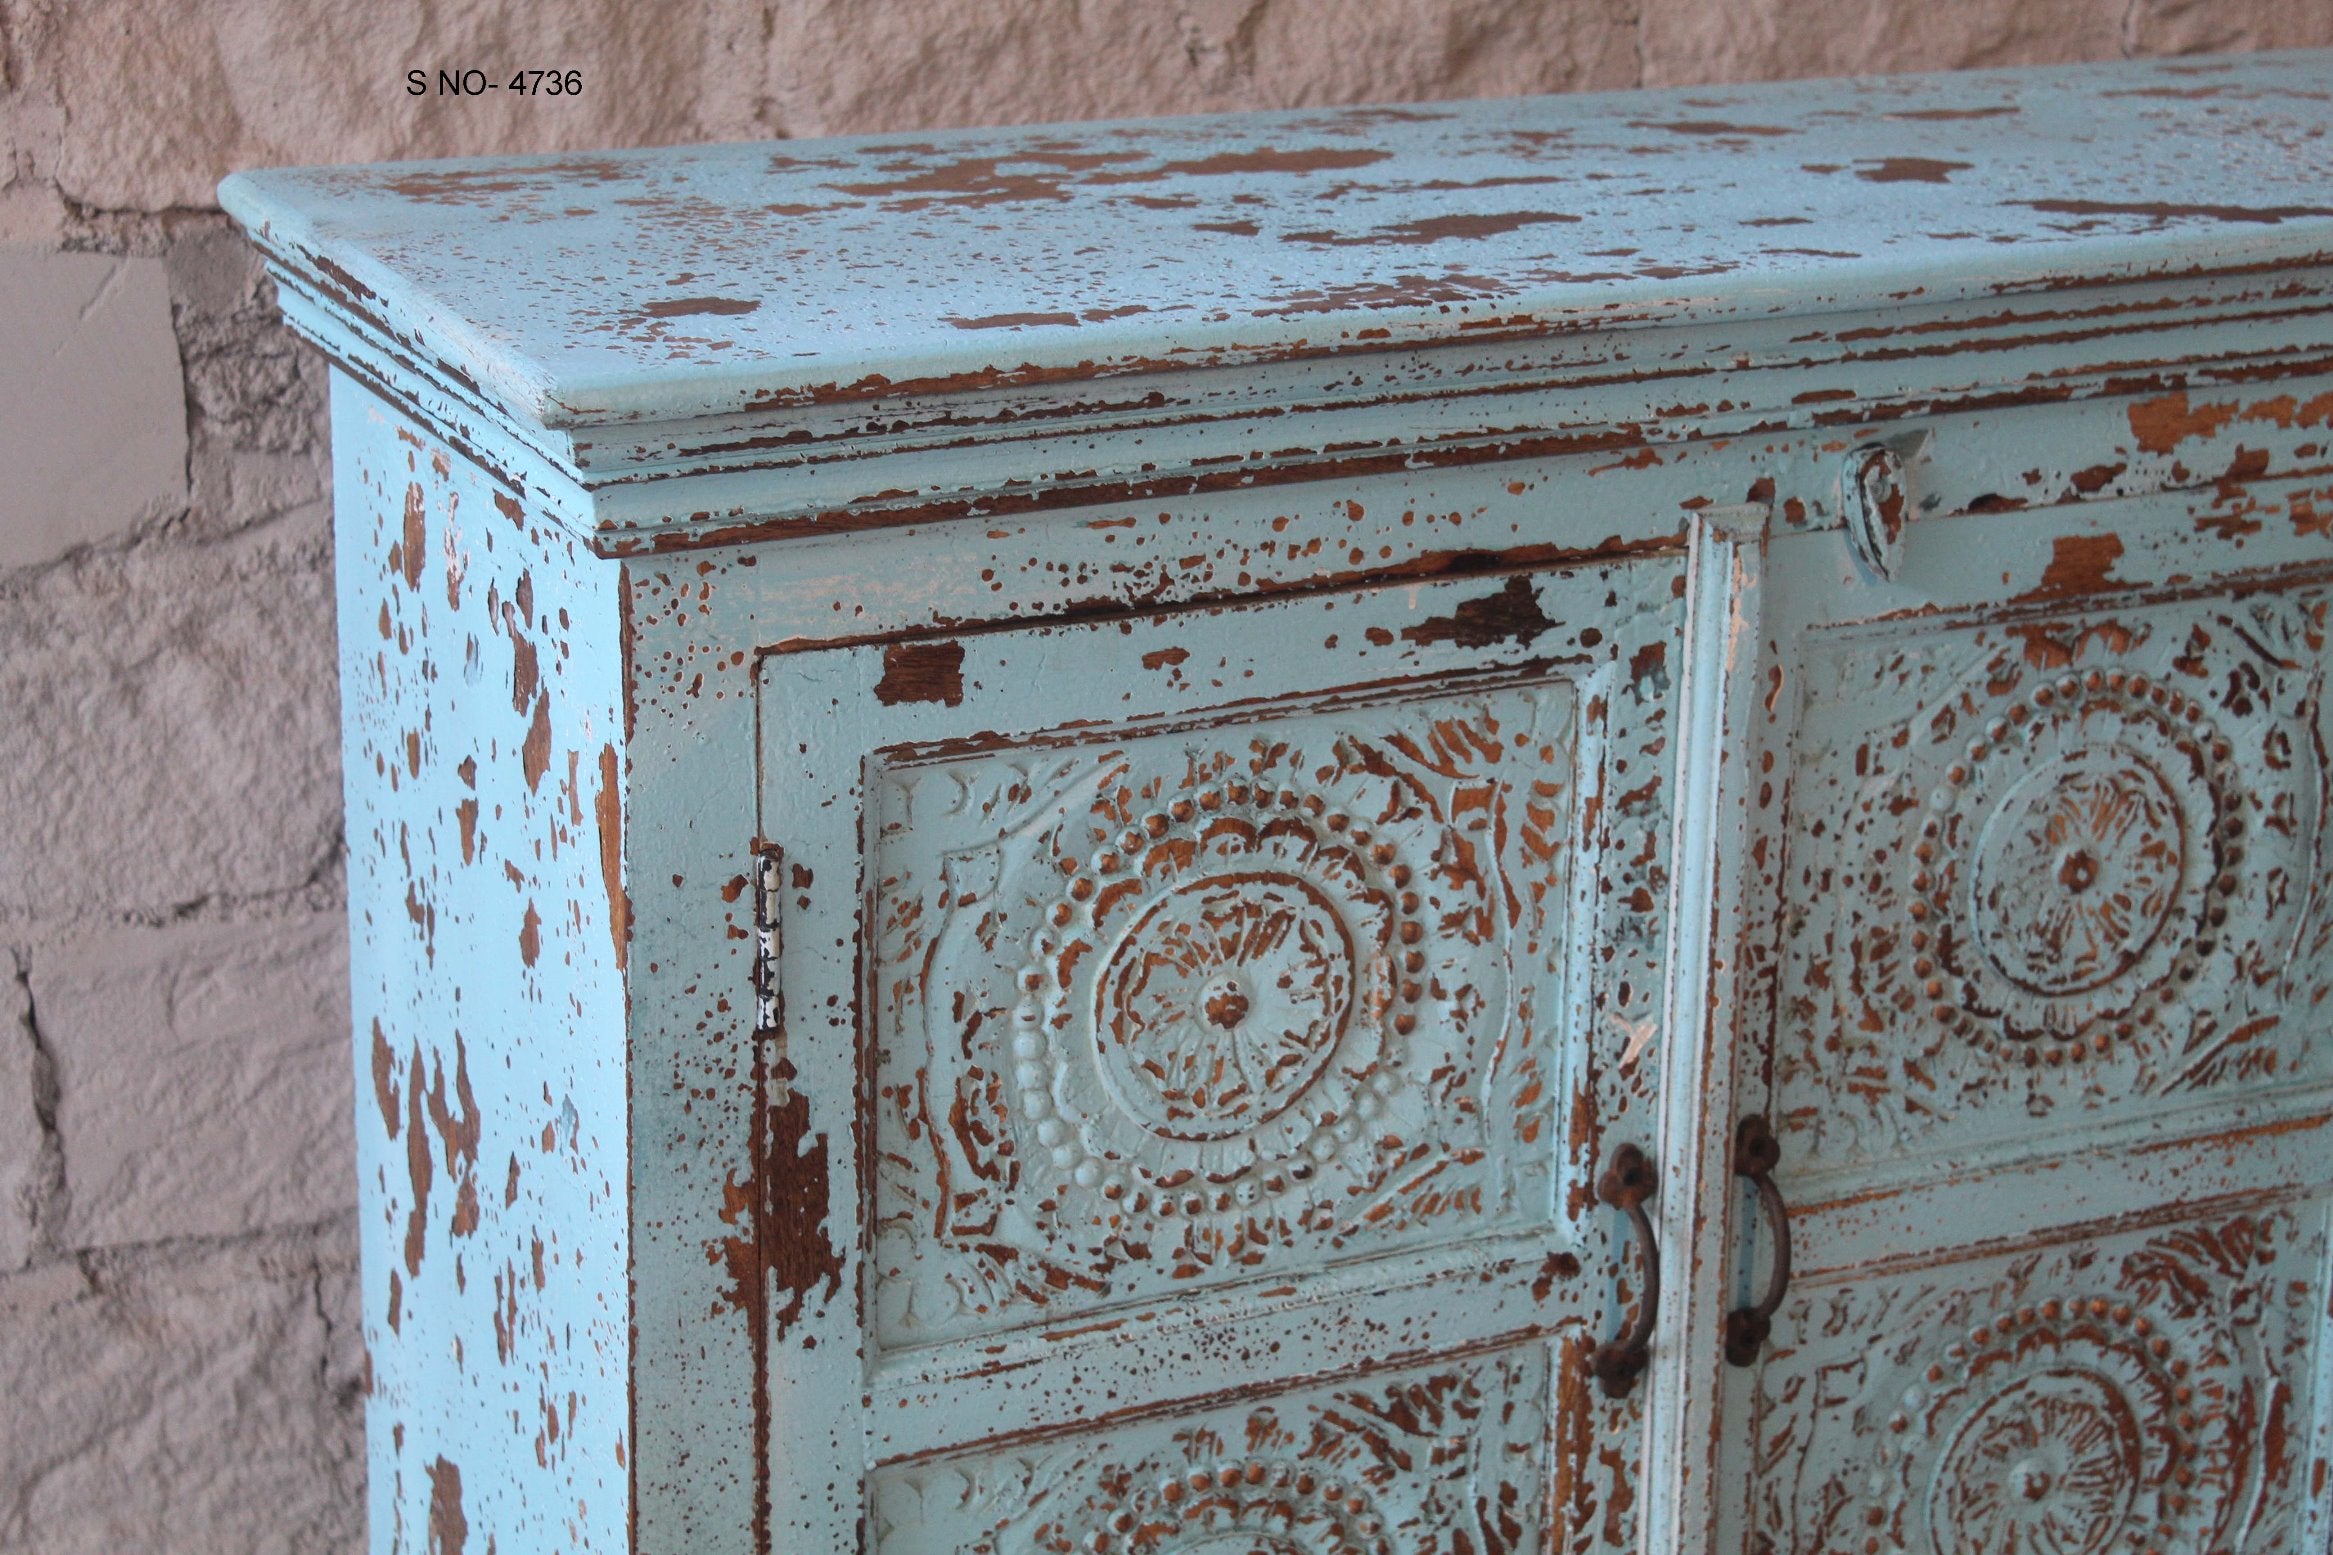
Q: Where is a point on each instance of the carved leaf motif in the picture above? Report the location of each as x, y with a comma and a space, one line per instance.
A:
1439, 1462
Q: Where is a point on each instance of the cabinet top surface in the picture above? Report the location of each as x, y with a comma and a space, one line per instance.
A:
691, 281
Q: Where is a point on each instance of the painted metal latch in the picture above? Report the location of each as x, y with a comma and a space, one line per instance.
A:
1875, 504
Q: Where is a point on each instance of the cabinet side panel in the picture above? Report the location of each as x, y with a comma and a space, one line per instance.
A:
485, 758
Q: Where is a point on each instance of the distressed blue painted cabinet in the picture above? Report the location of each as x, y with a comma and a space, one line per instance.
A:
1586, 824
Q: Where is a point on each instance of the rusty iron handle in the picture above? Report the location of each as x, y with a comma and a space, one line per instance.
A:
1625, 1185
1756, 1153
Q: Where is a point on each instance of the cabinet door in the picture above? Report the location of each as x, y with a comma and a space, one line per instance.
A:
2050, 1050
1235, 1008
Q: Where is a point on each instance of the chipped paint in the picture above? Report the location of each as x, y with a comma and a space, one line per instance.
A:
449, 1529
488, 1021
782, 1256
922, 672
1004, 222
1906, 170
2079, 564
608, 811
1511, 615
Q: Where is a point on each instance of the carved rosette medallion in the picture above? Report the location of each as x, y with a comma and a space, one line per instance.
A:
2072, 875
2052, 869
2110, 1394
1216, 1005
2069, 1427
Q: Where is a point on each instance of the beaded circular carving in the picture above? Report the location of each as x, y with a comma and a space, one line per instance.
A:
1253, 1506
2074, 868
1216, 1006
2070, 1427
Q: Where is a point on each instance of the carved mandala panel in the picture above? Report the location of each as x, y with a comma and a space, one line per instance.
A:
1434, 1462
2060, 865
2078, 865
1167, 1011
2132, 1399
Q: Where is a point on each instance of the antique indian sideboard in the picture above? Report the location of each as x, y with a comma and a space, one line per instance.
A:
1590, 824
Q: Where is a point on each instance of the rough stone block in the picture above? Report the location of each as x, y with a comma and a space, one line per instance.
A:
861, 66
203, 1078
1689, 42
841, 68
255, 393
2214, 26
171, 735
31, 211
196, 1400
1365, 51
20, 1130
92, 403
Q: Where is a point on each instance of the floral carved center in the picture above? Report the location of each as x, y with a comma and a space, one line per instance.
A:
2073, 868
1223, 1003
2078, 872
2050, 1465
1215, 1010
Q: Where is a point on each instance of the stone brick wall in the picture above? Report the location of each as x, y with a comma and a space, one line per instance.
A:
178, 1363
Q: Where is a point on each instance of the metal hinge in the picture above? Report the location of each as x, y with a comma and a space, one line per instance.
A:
768, 880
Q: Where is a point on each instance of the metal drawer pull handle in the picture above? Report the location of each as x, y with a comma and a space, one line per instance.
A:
1756, 1153
1625, 1185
